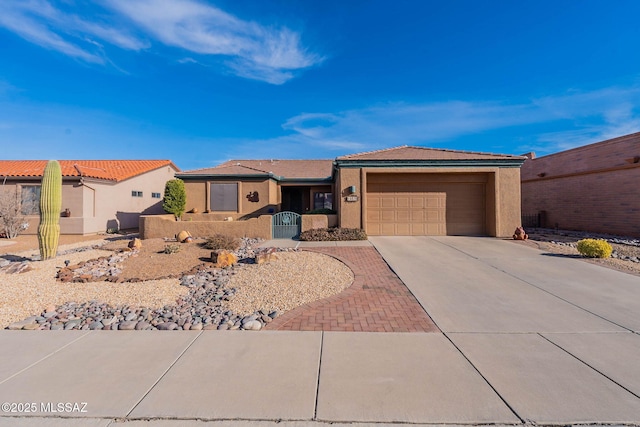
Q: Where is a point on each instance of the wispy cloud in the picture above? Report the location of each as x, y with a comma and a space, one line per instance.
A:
38, 22
582, 117
246, 49
251, 50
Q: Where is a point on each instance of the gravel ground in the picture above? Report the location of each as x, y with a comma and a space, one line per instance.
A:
25, 294
294, 279
564, 242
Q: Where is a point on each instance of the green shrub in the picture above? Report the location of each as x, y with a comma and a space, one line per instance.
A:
594, 248
221, 241
322, 211
172, 249
175, 198
333, 234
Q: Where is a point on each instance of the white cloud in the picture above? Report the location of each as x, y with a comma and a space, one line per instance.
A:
246, 49
38, 22
253, 51
584, 117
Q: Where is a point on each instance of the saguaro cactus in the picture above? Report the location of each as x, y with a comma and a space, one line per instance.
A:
50, 205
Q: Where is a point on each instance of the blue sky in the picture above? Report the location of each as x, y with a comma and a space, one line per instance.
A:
200, 82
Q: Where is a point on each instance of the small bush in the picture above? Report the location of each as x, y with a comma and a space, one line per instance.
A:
171, 249
333, 234
175, 198
595, 248
322, 211
221, 241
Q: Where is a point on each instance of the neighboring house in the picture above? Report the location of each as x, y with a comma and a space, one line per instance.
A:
590, 188
397, 191
99, 195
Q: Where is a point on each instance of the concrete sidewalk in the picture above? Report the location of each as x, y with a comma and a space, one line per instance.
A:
220, 375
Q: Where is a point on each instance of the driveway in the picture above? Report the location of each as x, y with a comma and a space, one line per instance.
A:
472, 284
556, 338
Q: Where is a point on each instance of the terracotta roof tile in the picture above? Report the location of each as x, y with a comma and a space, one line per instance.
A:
406, 152
111, 170
291, 169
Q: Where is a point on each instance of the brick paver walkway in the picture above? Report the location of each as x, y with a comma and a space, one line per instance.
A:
377, 301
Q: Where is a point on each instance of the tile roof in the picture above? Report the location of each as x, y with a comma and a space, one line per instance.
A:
290, 169
406, 152
111, 170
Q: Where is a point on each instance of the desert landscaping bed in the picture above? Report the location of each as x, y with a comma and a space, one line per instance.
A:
149, 289
626, 250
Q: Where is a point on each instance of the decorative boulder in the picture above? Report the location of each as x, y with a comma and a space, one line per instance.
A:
520, 234
265, 255
135, 243
222, 258
183, 236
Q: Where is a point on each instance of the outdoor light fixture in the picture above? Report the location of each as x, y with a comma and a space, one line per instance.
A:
352, 189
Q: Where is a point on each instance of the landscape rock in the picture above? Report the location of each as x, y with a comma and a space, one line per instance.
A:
222, 258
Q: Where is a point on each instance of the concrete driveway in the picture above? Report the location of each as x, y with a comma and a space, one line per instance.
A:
555, 337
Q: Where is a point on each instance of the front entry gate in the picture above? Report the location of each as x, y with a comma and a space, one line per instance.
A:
286, 225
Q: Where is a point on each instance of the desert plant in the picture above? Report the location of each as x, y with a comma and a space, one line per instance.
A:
12, 219
171, 249
221, 241
175, 198
333, 234
50, 206
594, 248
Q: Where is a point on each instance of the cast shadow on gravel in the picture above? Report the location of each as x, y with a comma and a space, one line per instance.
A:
571, 256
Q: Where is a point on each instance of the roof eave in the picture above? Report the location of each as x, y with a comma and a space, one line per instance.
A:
503, 163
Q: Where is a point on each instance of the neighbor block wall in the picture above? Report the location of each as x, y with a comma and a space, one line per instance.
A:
592, 188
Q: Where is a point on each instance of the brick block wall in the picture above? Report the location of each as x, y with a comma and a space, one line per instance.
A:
592, 188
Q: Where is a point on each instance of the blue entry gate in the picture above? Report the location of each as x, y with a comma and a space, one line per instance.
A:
286, 225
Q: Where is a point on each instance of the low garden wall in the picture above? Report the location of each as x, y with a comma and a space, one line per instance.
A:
310, 222
158, 226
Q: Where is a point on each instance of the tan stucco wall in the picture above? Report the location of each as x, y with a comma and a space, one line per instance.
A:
508, 215
350, 213
502, 195
198, 197
310, 222
158, 226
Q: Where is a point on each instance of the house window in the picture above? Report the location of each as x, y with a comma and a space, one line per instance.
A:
30, 199
156, 195
136, 193
322, 200
224, 197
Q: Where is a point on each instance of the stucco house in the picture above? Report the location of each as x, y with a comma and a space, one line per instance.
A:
99, 195
397, 191
590, 188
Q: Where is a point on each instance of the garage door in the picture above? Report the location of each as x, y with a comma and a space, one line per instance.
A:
425, 204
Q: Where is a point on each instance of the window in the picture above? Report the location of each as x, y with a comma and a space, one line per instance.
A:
224, 197
322, 200
156, 196
30, 199
136, 193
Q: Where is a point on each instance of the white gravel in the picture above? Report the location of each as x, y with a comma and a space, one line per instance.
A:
293, 279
